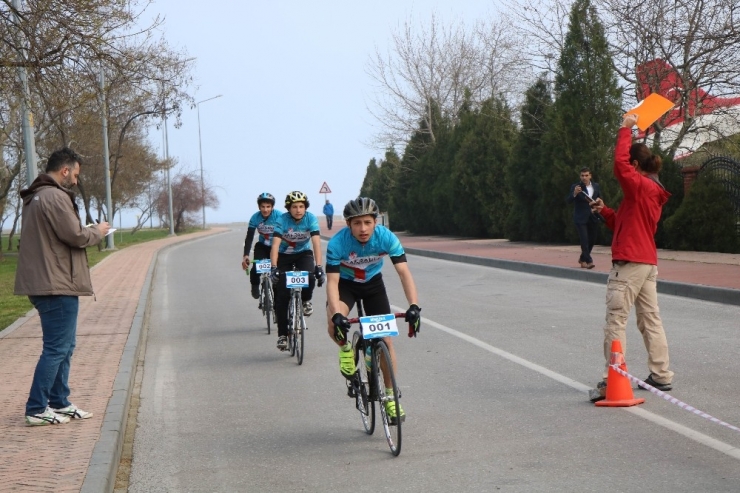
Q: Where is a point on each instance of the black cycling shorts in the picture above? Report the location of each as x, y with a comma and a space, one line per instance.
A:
372, 294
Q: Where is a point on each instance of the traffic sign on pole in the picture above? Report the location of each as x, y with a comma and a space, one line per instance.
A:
325, 188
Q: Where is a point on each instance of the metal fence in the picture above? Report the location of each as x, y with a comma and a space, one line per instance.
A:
727, 172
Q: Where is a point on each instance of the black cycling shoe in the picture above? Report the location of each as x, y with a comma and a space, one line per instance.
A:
663, 387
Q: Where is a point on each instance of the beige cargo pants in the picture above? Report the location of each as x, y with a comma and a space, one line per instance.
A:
630, 284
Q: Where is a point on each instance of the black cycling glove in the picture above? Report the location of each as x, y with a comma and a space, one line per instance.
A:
274, 275
413, 317
341, 326
320, 275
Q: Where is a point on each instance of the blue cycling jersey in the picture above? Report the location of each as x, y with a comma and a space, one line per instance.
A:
296, 236
361, 262
264, 227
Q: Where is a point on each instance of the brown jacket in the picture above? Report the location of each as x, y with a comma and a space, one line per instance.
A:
52, 259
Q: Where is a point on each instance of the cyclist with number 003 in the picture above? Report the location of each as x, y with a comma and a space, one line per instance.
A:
263, 222
354, 259
295, 234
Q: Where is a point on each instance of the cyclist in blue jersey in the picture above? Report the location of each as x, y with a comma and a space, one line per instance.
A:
263, 222
295, 234
354, 259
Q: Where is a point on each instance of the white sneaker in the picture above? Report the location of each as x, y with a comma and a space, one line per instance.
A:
307, 308
48, 417
73, 412
282, 343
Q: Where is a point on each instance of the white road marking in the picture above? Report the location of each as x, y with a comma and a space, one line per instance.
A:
689, 433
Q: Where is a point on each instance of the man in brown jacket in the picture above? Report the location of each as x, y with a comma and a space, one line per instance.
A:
53, 273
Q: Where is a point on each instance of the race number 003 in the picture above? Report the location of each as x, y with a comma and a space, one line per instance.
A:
296, 279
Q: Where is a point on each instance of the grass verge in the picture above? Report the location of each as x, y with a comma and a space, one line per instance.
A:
12, 307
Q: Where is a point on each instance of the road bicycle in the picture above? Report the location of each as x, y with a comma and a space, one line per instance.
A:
296, 281
373, 368
267, 296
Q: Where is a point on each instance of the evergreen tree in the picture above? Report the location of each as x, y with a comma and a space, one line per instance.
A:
482, 198
583, 121
410, 199
371, 177
705, 220
525, 169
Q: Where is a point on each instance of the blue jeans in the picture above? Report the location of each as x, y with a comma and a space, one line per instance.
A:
59, 327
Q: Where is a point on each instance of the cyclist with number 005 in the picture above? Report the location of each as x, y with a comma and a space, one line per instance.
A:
295, 234
354, 259
263, 222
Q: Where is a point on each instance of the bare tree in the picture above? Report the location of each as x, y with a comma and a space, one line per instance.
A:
187, 200
436, 66
688, 49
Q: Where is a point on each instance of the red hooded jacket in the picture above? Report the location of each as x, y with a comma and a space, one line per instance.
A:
636, 221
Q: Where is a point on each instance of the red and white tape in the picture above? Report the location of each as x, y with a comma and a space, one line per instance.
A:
672, 399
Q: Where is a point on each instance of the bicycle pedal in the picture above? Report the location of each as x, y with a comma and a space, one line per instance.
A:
351, 392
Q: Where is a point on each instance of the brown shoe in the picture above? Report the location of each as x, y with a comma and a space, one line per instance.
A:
590, 265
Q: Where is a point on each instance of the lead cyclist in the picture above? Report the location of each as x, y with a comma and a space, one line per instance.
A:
354, 261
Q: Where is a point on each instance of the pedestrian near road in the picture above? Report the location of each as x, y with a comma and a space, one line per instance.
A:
583, 194
53, 272
633, 277
329, 213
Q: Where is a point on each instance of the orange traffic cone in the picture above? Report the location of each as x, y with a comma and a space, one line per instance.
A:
618, 387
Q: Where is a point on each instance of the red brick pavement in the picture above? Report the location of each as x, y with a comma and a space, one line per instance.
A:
55, 458
704, 268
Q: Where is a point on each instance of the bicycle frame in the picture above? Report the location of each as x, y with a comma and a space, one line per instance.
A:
368, 392
296, 324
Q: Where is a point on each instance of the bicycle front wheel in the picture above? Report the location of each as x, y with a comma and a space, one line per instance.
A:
291, 326
387, 393
299, 334
267, 303
364, 403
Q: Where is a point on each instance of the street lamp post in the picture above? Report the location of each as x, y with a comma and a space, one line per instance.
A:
200, 149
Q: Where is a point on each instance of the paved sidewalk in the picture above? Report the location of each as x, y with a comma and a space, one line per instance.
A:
56, 458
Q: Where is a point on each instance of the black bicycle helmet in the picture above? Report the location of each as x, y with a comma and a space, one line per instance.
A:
294, 197
265, 197
361, 206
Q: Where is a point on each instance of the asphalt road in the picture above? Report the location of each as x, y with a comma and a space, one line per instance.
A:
494, 390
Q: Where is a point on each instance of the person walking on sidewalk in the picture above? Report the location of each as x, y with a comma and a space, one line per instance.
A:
583, 194
633, 277
329, 213
53, 272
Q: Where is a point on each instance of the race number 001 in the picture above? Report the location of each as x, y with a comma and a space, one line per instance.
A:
378, 326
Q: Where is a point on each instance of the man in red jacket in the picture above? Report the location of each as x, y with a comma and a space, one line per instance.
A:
632, 280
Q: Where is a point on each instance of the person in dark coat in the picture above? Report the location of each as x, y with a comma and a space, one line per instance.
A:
583, 194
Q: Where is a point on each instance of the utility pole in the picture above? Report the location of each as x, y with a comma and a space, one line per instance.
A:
200, 149
29, 141
106, 157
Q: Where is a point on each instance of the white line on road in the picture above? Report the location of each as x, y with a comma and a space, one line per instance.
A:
694, 435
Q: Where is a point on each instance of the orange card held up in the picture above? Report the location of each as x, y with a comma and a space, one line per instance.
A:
650, 109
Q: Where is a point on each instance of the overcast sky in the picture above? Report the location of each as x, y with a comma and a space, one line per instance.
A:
293, 78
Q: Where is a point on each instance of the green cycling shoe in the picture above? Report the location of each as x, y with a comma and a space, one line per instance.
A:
347, 361
390, 411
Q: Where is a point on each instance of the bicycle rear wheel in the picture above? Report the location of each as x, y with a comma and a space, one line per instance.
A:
364, 403
387, 396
